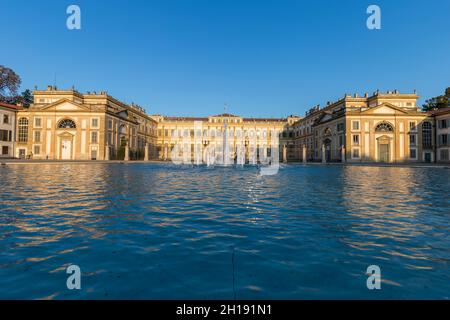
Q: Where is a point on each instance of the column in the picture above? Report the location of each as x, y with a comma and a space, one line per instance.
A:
324, 158
107, 158
284, 153
343, 154
304, 154
146, 153
127, 153
165, 153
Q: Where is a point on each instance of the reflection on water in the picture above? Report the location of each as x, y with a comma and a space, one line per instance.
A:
145, 231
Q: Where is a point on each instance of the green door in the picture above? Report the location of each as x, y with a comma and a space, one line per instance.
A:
384, 152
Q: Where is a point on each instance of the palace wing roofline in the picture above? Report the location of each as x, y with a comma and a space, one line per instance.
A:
10, 106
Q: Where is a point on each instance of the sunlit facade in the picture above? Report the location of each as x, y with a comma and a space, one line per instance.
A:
248, 133
385, 127
68, 125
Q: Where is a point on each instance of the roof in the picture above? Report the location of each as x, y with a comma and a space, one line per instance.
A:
10, 106
226, 115
265, 119
185, 119
439, 111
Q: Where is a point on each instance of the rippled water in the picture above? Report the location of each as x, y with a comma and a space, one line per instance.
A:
147, 231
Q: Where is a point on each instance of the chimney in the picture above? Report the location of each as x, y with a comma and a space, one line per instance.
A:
366, 95
49, 88
356, 95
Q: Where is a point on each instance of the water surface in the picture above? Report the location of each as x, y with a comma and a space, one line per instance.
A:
159, 231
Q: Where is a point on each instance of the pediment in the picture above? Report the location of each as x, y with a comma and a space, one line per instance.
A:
385, 108
65, 105
65, 134
324, 117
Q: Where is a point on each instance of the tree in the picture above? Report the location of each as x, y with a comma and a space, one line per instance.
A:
438, 102
26, 98
9, 83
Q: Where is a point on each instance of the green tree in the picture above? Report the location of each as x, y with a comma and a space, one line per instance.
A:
9, 84
438, 102
27, 98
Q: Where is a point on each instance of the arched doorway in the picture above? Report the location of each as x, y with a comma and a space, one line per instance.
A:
327, 144
385, 132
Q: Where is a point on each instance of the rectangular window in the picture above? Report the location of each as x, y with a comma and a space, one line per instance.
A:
355, 125
412, 139
37, 150
443, 124
37, 136
444, 155
5, 119
356, 139
355, 153
94, 153
110, 124
412, 126
94, 137
5, 150
412, 153
5, 135
443, 139
94, 123
37, 122
341, 141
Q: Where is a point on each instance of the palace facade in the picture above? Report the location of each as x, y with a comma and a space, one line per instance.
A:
7, 129
68, 125
249, 133
384, 127
442, 118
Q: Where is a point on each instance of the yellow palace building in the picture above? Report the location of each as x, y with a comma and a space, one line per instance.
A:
68, 125
240, 131
383, 127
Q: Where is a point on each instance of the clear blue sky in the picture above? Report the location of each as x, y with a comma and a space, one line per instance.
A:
264, 58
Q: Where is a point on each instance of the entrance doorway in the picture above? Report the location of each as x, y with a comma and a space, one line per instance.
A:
22, 153
327, 144
427, 157
384, 152
66, 150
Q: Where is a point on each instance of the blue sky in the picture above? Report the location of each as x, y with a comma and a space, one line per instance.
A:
263, 58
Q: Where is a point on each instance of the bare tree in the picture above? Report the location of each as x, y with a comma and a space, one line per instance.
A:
9, 83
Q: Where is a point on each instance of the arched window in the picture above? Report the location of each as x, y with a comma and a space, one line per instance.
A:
66, 124
23, 130
384, 127
426, 134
